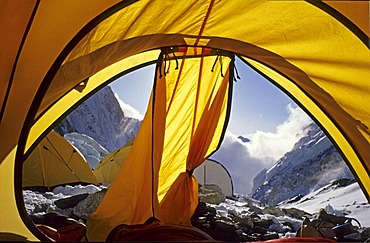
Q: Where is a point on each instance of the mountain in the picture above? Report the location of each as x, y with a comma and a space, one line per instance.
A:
102, 119
244, 139
312, 163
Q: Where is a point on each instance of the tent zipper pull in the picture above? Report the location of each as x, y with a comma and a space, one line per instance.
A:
237, 74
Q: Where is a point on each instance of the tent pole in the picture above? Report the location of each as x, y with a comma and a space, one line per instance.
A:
204, 178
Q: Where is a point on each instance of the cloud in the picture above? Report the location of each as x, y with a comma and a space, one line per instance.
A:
128, 110
267, 145
245, 160
242, 166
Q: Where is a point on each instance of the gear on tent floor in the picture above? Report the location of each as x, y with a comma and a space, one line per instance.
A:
60, 228
153, 230
316, 228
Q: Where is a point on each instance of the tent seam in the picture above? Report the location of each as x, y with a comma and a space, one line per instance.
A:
342, 19
204, 22
30, 21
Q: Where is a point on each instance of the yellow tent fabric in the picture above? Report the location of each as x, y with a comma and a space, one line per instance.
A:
139, 203
313, 56
55, 55
185, 121
108, 168
194, 128
55, 162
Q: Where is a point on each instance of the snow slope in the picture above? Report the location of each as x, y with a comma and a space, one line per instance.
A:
312, 163
346, 201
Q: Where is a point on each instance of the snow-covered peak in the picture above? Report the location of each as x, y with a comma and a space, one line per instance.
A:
313, 135
310, 145
312, 163
101, 118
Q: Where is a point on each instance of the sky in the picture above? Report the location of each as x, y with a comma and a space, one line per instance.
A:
133, 91
257, 104
260, 112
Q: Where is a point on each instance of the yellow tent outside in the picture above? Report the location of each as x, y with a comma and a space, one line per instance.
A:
108, 168
55, 56
55, 162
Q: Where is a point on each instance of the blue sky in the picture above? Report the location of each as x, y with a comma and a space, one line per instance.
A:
257, 105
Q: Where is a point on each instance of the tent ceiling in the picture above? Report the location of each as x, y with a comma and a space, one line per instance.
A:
52, 46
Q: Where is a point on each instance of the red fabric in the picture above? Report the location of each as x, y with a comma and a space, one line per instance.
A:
73, 232
154, 231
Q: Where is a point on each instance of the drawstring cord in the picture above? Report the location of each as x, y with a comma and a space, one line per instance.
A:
177, 62
222, 75
237, 74
218, 57
166, 67
160, 70
214, 64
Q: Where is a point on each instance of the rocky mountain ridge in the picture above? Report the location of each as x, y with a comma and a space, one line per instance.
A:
101, 118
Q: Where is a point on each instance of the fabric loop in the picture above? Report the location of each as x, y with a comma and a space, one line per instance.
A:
190, 172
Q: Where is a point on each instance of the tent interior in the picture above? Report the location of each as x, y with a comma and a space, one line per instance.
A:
58, 56
221, 176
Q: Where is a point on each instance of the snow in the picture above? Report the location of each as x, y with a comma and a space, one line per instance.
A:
37, 203
75, 190
348, 201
